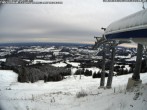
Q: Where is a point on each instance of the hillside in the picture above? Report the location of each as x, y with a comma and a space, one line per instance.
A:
70, 94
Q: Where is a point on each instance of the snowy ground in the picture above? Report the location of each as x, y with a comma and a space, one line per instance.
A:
3, 60
75, 64
60, 64
65, 95
41, 61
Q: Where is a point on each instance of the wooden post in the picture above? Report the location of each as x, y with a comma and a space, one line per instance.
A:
102, 81
136, 75
110, 76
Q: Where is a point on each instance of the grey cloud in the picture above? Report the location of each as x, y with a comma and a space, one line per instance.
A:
76, 21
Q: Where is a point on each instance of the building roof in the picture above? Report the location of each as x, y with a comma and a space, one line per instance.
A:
131, 27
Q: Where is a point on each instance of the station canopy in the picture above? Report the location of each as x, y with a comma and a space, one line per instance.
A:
132, 27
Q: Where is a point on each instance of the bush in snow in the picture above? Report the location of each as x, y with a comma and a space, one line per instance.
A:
116, 68
65, 72
68, 66
123, 71
126, 71
55, 77
120, 72
88, 73
132, 67
122, 66
80, 94
96, 75
143, 66
79, 72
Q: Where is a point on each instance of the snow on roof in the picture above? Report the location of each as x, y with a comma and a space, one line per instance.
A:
132, 22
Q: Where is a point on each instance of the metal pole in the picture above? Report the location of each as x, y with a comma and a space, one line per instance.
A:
102, 81
110, 76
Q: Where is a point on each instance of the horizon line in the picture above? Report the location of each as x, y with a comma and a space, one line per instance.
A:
46, 43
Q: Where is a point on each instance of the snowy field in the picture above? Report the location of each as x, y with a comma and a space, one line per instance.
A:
70, 94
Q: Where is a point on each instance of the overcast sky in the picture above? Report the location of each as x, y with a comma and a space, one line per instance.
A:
75, 21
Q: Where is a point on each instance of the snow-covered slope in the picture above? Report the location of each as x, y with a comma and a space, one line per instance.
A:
67, 94
7, 78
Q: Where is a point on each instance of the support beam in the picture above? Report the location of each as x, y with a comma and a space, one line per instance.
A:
110, 76
135, 80
102, 81
132, 83
136, 75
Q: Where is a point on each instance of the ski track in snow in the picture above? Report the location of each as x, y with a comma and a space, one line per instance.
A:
62, 95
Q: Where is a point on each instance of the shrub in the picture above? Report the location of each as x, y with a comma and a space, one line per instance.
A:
79, 72
116, 68
68, 66
126, 71
96, 75
88, 73
82, 93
